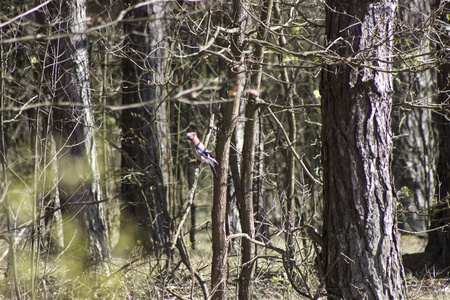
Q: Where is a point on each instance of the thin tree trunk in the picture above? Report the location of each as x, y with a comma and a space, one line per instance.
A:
234, 190
290, 162
246, 201
361, 254
248, 162
261, 196
230, 114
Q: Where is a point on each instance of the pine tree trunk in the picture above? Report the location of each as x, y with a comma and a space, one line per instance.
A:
143, 215
73, 125
439, 240
361, 255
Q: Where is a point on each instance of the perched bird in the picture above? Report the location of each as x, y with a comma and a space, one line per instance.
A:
200, 152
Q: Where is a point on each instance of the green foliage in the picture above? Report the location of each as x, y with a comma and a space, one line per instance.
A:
405, 190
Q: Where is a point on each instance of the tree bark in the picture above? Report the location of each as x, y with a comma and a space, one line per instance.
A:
414, 149
361, 255
248, 161
143, 216
230, 113
78, 171
439, 239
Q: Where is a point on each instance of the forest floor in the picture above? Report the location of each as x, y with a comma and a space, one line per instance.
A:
142, 277
426, 278
149, 280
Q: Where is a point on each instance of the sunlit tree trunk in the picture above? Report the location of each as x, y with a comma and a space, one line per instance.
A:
74, 128
230, 112
248, 162
361, 244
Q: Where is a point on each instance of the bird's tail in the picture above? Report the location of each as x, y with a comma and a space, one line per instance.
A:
213, 169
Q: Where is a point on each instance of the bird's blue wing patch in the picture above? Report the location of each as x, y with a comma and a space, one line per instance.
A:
202, 153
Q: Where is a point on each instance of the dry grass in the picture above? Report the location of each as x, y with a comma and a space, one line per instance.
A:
423, 283
139, 277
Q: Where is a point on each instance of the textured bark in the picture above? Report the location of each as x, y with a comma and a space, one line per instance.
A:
230, 114
439, 240
144, 215
415, 148
361, 255
78, 171
218, 215
248, 162
246, 203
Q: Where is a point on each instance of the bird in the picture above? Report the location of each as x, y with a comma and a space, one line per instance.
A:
200, 151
